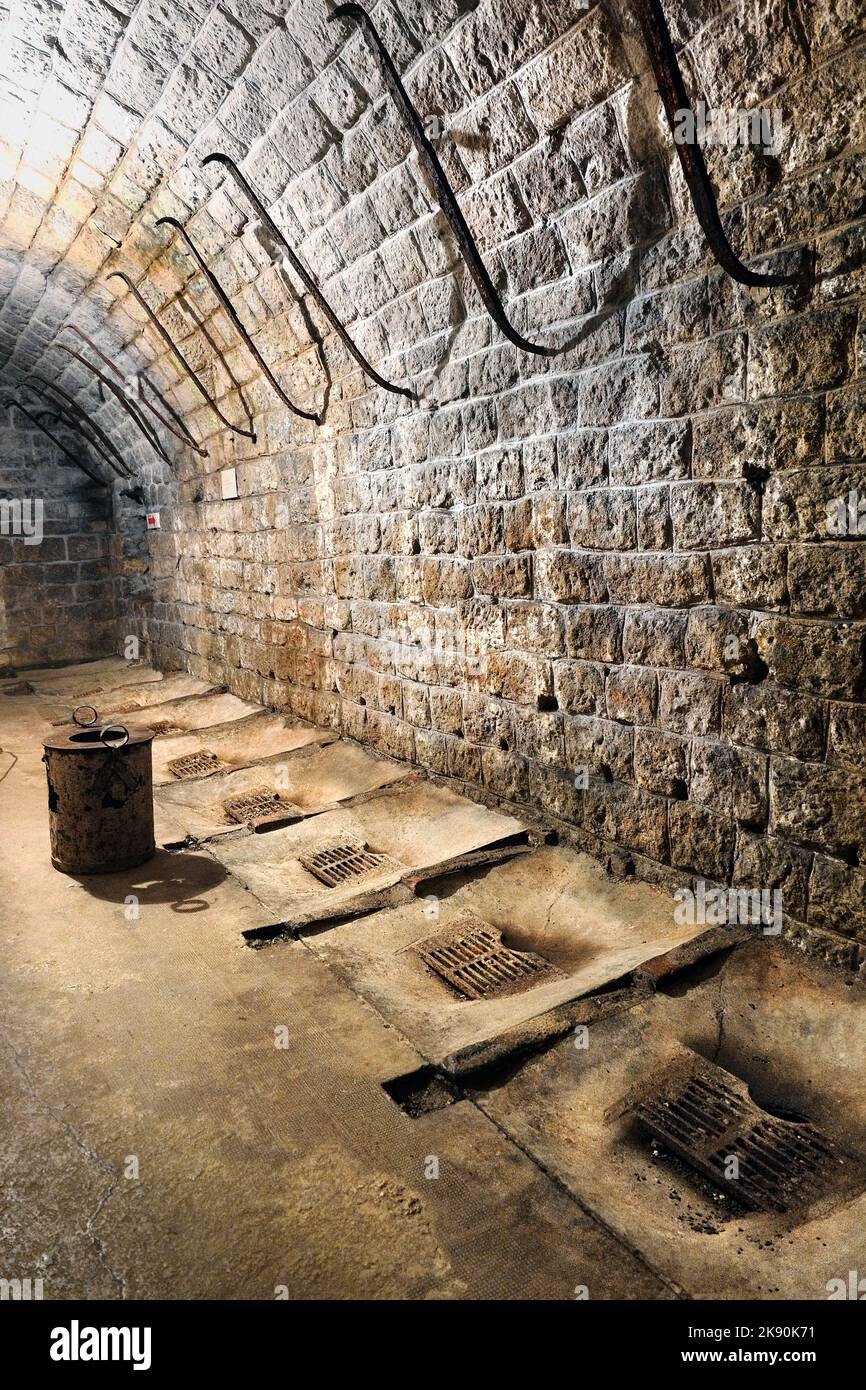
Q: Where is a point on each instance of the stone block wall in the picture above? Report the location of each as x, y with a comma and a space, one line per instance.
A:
68, 577
624, 585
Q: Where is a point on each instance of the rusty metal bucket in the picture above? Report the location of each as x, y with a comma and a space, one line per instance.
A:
100, 797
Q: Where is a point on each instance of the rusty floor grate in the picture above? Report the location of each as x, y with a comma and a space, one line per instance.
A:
780, 1164
195, 765
257, 804
473, 960
163, 726
341, 863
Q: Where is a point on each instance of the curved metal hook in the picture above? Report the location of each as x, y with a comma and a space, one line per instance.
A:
304, 275
55, 441
167, 339
103, 444
430, 163
232, 313
116, 392
180, 432
672, 90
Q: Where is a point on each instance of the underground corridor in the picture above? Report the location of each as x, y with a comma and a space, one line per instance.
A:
433, 651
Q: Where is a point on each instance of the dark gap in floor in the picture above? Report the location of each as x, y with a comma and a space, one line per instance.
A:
689, 977
492, 1075
257, 937
422, 1091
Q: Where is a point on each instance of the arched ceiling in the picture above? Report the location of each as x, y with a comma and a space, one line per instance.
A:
107, 111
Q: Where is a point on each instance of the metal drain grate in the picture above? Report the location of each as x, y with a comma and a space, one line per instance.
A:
195, 765
254, 805
780, 1163
342, 863
473, 960
163, 726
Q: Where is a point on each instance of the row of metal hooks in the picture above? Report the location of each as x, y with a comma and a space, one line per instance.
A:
672, 90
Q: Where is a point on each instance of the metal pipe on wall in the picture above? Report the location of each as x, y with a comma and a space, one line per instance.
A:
304, 275
430, 163
179, 429
233, 315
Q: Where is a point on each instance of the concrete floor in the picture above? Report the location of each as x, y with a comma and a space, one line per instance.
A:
158, 1144
258, 1168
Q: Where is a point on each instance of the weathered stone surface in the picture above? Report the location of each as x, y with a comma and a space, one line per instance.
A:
828, 579
714, 515
703, 375
776, 720
570, 576
632, 695
818, 806
816, 504
847, 735
689, 703
837, 897
602, 519
654, 531
761, 861
646, 453
554, 792
594, 633
717, 639
654, 637
846, 423
583, 458
661, 762
671, 581
629, 815
730, 781
748, 441
822, 658
751, 576
579, 687
803, 353
700, 841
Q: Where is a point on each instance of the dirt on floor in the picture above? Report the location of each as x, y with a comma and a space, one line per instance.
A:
189, 1118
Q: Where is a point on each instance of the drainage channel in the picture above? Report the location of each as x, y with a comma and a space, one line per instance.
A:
351, 862
706, 1118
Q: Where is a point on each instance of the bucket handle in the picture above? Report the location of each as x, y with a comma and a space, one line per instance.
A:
84, 723
118, 729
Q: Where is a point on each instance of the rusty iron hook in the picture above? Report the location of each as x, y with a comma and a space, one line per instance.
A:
432, 167
79, 417
672, 90
179, 429
233, 315
134, 415
54, 440
304, 275
169, 341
